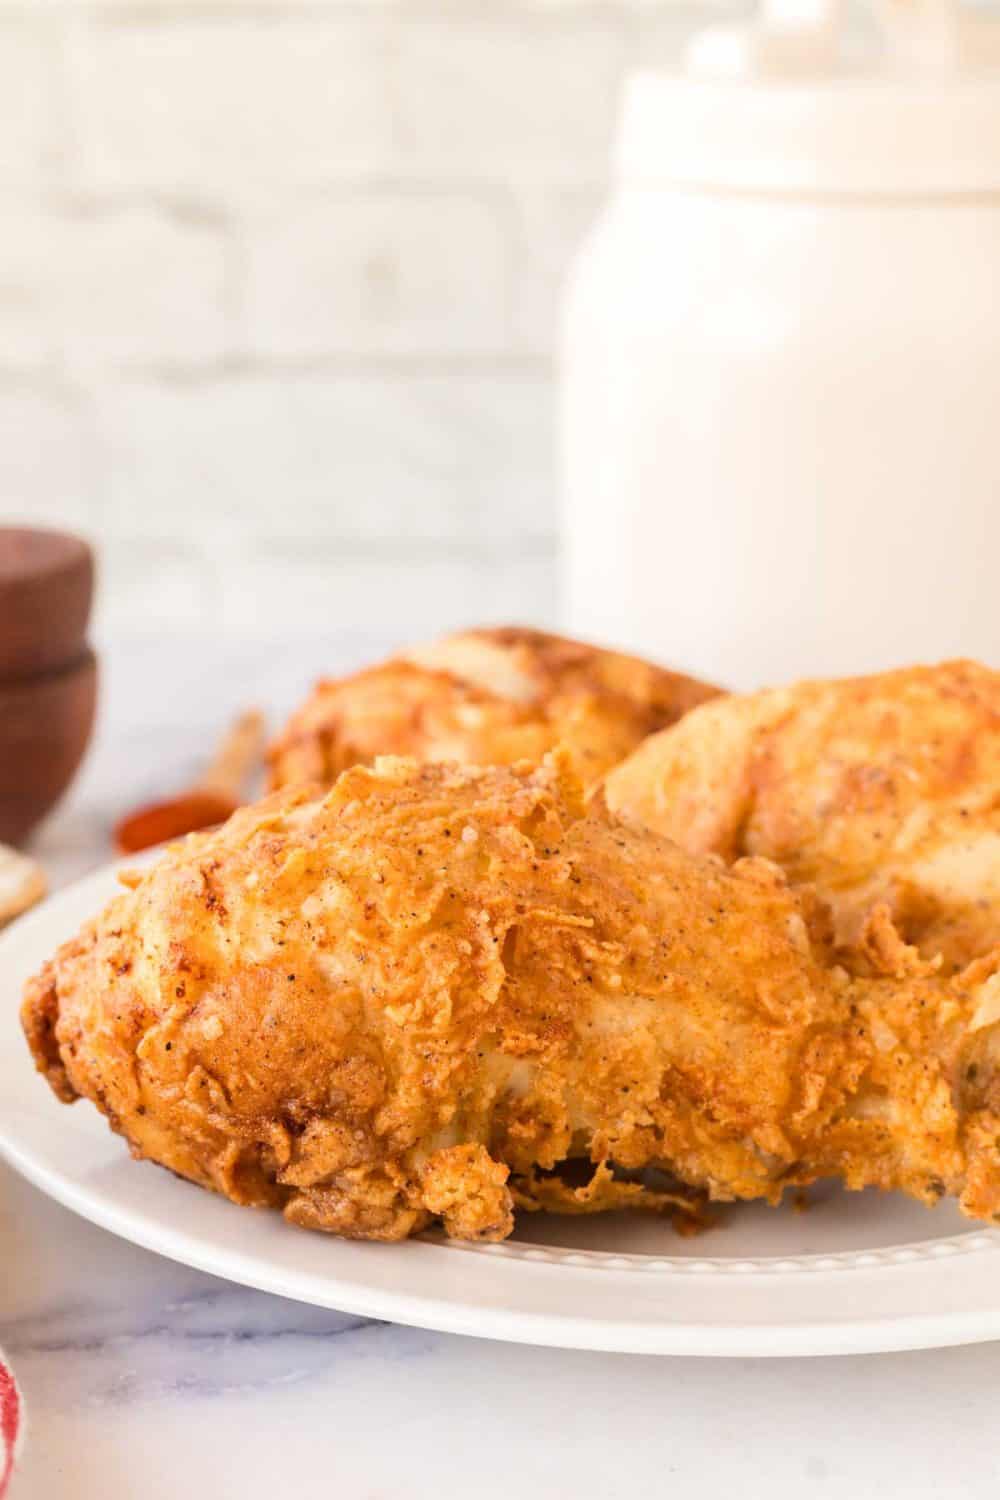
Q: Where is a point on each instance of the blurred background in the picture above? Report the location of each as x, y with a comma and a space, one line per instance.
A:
278, 284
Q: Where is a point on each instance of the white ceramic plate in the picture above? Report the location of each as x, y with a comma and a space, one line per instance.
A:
856, 1272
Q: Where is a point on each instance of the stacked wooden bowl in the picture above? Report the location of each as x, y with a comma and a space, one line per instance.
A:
48, 673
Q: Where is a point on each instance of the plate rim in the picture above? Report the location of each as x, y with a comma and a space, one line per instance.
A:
976, 1323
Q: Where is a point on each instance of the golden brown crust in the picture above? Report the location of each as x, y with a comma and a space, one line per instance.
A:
882, 789
484, 697
39, 1015
418, 996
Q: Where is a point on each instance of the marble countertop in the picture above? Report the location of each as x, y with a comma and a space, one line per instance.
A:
143, 1378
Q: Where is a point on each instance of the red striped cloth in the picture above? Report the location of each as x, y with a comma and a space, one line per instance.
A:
11, 1418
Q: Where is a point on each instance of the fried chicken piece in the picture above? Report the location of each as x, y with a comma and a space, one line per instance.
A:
420, 996
485, 697
882, 792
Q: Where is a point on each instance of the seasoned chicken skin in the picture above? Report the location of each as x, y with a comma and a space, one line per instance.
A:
416, 997
485, 697
876, 790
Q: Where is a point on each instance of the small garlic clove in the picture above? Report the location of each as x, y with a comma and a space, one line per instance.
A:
22, 883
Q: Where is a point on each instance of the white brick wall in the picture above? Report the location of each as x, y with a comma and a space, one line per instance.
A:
29, 137
533, 99
454, 460
89, 285
380, 271
277, 293
205, 102
50, 466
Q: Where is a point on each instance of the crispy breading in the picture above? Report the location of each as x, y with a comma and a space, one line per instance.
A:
484, 697
421, 995
877, 790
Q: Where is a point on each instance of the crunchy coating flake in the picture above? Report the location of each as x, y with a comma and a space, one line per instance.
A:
484, 697
345, 1007
876, 790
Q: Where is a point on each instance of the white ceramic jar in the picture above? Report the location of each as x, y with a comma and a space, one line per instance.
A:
781, 379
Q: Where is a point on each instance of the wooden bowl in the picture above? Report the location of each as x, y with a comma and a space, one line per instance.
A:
46, 589
45, 726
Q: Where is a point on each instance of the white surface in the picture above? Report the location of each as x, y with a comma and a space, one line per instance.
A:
778, 418
853, 1275
144, 1378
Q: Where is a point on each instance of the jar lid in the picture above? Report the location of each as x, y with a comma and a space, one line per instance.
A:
855, 134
